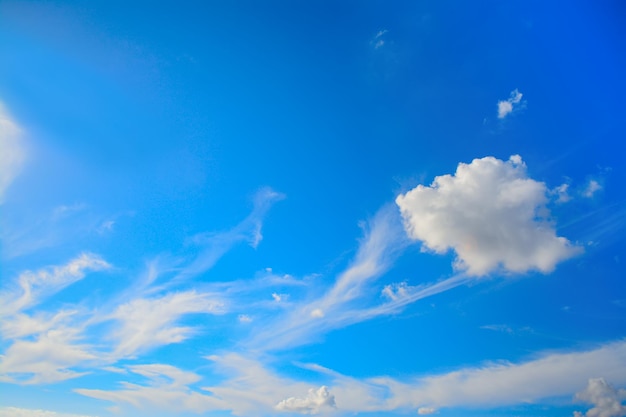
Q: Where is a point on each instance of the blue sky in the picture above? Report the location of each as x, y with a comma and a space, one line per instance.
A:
330, 208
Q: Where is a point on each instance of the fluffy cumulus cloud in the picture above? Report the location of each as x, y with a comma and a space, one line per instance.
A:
506, 107
13, 153
311, 404
491, 214
607, 401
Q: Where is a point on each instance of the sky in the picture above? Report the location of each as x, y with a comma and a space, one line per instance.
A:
333, 208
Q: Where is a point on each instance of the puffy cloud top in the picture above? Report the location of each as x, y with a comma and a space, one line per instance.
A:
505, 107
491, 214
606, 399
314, 401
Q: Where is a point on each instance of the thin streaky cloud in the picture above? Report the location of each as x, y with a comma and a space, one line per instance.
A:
383, 241
144, 324
13, 153
23, 362
30, 412
33, 286
251, 388
215, 245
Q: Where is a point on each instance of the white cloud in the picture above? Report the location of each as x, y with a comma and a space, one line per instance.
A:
28, 412
561, 193
147, 323
396, 291
378, 42
168, 389
46, 359
383, 240
591, 188
13, 153
311, 404
250, 388
504, 383
176, 376
215, 245
505, 107
498, 328
317, 313
491, 214
244, 318
42, 283
20, 325
607, 401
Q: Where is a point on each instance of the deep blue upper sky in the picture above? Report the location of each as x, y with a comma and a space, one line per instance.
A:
350, 208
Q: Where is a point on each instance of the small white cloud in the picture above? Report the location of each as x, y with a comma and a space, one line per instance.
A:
377, 41
607, 401
311, 404
317, 313
491, 214
423, 411
395, 292
591, 188
561, 193
505, 107
244, 318
498, 328
106, 226
277, 297
13, 154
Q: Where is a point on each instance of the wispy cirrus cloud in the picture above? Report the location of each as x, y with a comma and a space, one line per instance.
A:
251, 388
30, 412
339, 305
13, 152
148, 323
33, 286
55, 333
378, 41
167, 389
214, 245
48, 358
